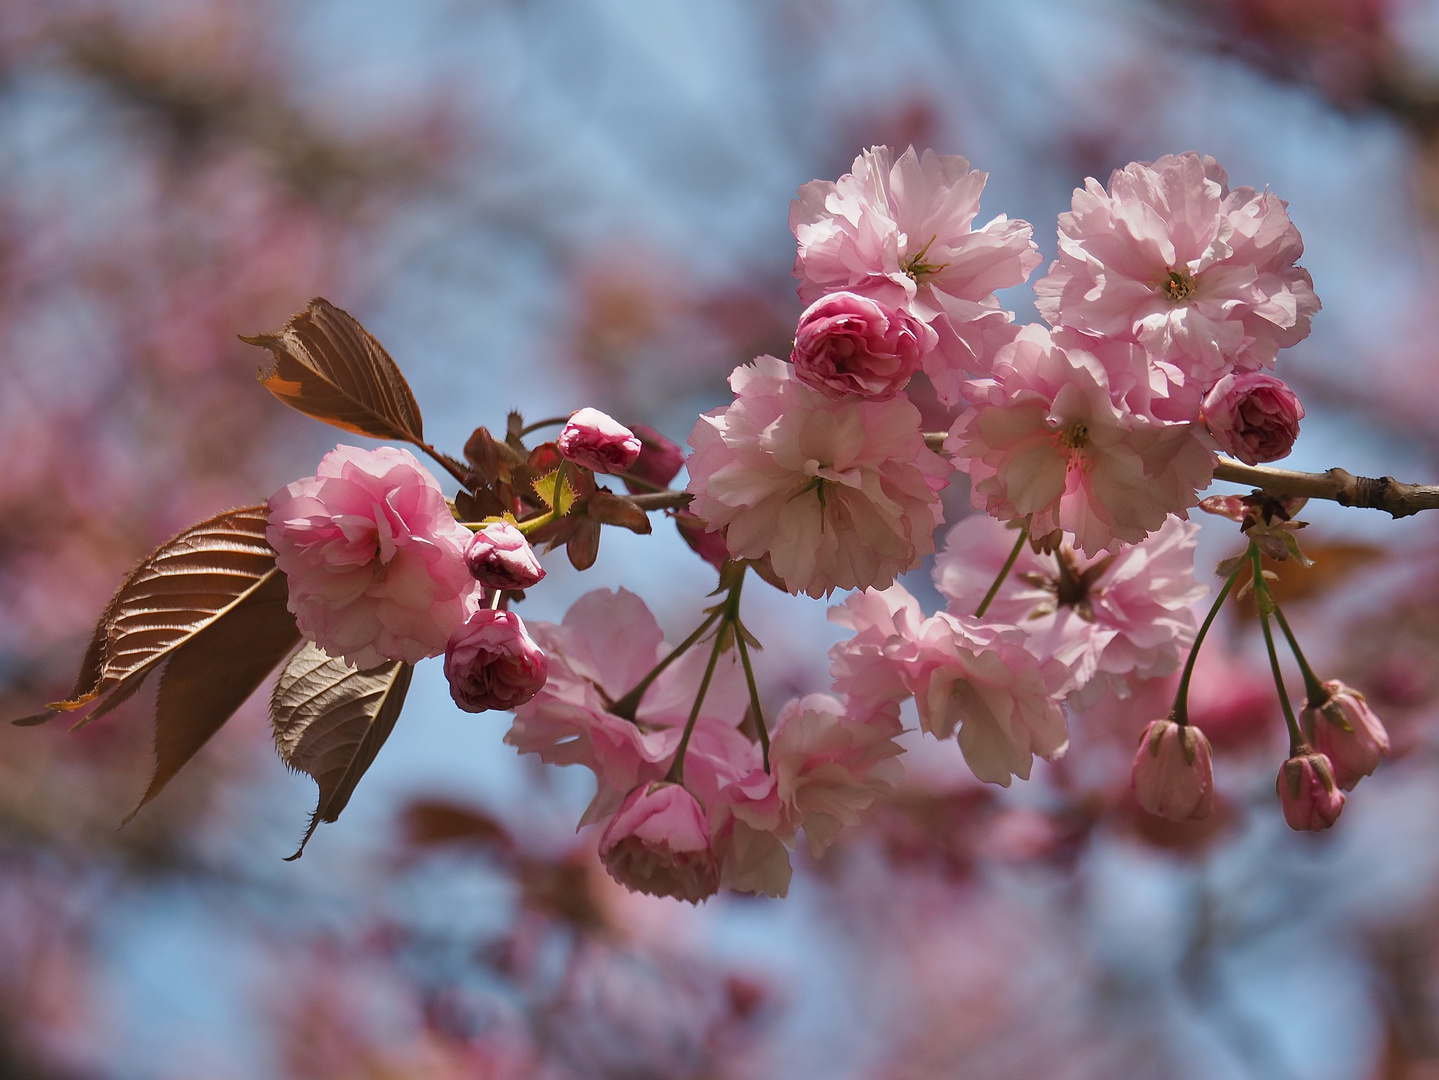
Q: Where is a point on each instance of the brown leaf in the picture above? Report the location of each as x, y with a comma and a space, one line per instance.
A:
1335, 564
331, 720
328, 367
583, 547
184, 587
611, 509
209, 677
432, 822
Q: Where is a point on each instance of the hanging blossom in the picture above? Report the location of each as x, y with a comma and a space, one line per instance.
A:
1045, 439
1201, 276
901, 233
374, 557
974, 680
838, 494
730, 822
1111, 621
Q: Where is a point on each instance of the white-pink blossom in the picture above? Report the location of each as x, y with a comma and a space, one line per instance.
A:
598, 441
1201, 276
658, 843
1253, 415
1044, 439
491, 663
373, 556
869, 666
847, 344
838, 494
901, 231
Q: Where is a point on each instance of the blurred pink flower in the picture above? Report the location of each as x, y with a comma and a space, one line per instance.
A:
1253, 415
659, 843
1168, 256
901, 233
373, 556
499, 557
598, 441
1345, 730
1044, 439
1173, 776
839, 495
491, 663
848, 344
1311, 799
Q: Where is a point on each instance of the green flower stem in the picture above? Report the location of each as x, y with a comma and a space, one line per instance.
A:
1313, 688
1004, 573
625, 707
677, 770
1266, 605
1180, 712
754, 704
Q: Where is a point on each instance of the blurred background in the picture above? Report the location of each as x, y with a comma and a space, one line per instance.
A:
543, 205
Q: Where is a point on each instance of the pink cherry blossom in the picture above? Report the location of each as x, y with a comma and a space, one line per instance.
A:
1173, 776
491, 663
1110, 620
1044, 439
1311, 799
499, 557
1201, 276
1345, 730
848, 344
870, 666
1253, 416
901, 232
598, 441
658, 842
374, 558
838, 494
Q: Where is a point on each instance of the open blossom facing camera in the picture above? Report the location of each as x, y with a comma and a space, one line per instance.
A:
900, 232
1253, 416
492, 663
848, 344
374, 558
1044, 438
1201, 276
839, 494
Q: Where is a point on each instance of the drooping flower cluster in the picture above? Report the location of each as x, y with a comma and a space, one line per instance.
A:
723, 819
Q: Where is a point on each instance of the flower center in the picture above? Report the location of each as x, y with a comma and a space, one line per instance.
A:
1073, 436
1178, 286
917, 268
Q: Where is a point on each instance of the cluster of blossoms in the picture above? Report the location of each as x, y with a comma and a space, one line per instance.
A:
1085, 441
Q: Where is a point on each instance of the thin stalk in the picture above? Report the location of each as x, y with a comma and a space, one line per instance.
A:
451, 466
625, 707
1261, 595
1313, 688
677, 770
1004, 573
754, 704
1181, 697
553, 421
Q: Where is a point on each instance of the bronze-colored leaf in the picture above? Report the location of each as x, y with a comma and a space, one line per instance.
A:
1334, 565
185, 586
329, 367
331, 720
213, 673
611, 509
583, 547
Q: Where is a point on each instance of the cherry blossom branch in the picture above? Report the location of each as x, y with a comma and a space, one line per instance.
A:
1394, 497
661, 500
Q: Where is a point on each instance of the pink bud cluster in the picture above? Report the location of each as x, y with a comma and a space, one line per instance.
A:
725, 820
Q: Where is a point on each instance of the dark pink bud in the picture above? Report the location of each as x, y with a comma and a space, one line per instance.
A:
1173, 776
1307, 791
658, 842
848, 344
499, 557
659, 461
598, 441
1253, 416
492, 663
709, 546
1346, 731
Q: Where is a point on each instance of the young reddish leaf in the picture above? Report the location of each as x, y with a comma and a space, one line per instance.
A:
331, 720
328, 367
213, 673
185, 586
611, 509
583, 546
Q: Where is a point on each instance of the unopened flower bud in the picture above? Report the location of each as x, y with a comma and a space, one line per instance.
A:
499, 557
1345, 730
1253, 415
492, 663
850, 345
658, 842
1173, 776
1307, 791
598, 441
659, 461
